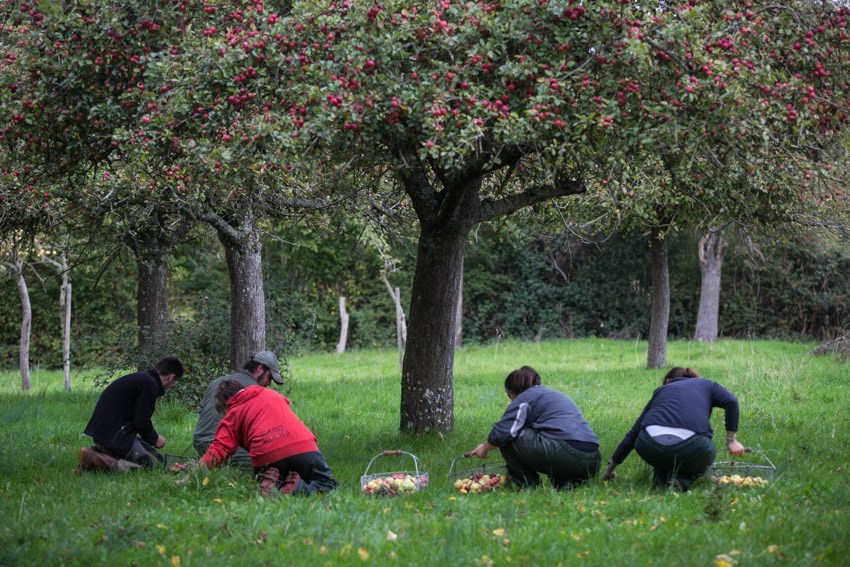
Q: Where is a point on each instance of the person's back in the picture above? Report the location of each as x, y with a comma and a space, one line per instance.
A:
261, 370
261, 421
124, 411
209, 416
121, 423
556, 415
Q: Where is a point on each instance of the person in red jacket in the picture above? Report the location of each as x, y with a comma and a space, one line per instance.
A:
279, 444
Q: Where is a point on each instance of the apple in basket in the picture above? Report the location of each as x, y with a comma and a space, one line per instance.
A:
397, 483
480, 482
738, 480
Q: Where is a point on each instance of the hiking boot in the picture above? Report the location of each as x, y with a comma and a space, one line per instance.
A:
290, 483
92, 459
268, 485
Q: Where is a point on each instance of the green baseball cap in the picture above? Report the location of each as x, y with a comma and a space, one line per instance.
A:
269, 360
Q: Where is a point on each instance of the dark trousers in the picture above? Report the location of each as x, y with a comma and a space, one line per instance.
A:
679, 463
531, 454
315, 474
141, 453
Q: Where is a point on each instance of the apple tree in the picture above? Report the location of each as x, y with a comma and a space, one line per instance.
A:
481, 108
743, 151
73, 81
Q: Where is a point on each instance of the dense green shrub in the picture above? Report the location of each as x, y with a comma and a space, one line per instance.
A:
103, 304
799, 290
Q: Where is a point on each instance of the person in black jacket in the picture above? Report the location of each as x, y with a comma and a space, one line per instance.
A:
120, 425
673, 432
542, 431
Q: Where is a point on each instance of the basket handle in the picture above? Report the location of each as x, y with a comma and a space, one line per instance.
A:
760, 453
455, 460
394, 453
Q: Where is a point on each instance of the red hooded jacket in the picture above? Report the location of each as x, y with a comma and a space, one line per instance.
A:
261, 421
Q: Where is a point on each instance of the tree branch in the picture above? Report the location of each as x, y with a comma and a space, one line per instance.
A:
491, 208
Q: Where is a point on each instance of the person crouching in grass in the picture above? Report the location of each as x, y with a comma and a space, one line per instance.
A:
283, 451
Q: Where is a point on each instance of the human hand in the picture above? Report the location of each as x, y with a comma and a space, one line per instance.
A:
736, 448
609, 474
480, 451
160, 442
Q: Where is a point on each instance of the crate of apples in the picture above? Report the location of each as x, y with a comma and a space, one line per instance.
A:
480, 482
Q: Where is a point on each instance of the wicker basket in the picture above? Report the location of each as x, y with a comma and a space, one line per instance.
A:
483, 477
743, 473
396, 482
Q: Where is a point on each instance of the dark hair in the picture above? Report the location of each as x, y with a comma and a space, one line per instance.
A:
679, 372
252, 365
226, 390
169, 365
522, 379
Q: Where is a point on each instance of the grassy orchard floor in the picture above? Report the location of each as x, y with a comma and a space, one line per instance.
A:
794, 407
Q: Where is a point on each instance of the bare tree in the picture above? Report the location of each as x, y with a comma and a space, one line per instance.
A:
343, 326
15, 263
64, 310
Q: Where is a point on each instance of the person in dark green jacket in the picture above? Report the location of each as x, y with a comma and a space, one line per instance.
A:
261, 370
121, 424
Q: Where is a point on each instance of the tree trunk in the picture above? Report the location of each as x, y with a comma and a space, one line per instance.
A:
459, 314
427, 397
657, 351
400, 324
151, 291
343, 326
712, 248
64, 313
401, 327
247, 302
65, 318
427, 378
446, 217
26, 324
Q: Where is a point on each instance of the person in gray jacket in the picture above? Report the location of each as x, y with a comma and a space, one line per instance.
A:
261, 370
542, 432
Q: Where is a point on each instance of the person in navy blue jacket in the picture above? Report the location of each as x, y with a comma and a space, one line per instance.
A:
542, 431
673, 432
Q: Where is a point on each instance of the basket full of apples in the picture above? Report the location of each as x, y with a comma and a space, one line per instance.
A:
743, 474
393, 483
484, 477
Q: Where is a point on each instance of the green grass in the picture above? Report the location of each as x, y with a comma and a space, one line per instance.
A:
794, 408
